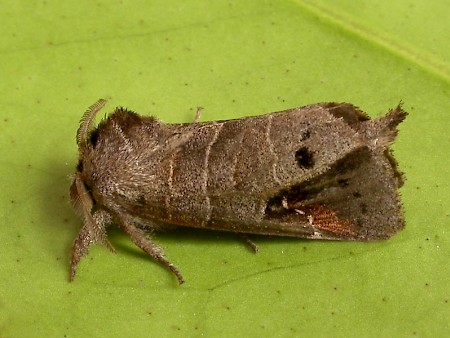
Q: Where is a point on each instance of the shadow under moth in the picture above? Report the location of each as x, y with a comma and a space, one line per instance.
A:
324, 171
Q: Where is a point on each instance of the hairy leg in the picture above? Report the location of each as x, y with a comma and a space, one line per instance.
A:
142, 240
93, 231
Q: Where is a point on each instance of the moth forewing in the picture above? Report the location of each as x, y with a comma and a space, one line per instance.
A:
323, 171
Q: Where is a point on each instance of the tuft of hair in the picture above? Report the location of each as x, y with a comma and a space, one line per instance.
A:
393, 118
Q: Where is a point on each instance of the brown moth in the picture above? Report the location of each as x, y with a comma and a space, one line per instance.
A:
323, 171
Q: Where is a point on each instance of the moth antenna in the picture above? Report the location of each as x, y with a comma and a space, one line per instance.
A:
86, 123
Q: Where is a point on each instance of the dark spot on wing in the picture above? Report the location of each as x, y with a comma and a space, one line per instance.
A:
304, 158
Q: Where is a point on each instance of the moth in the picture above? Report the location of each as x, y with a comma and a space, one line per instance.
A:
323, 171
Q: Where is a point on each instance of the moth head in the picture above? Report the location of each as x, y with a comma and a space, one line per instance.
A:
80, 194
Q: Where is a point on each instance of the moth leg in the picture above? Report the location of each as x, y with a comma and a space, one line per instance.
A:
198, 115
140, 238
79, 249
93, 231
249, 242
